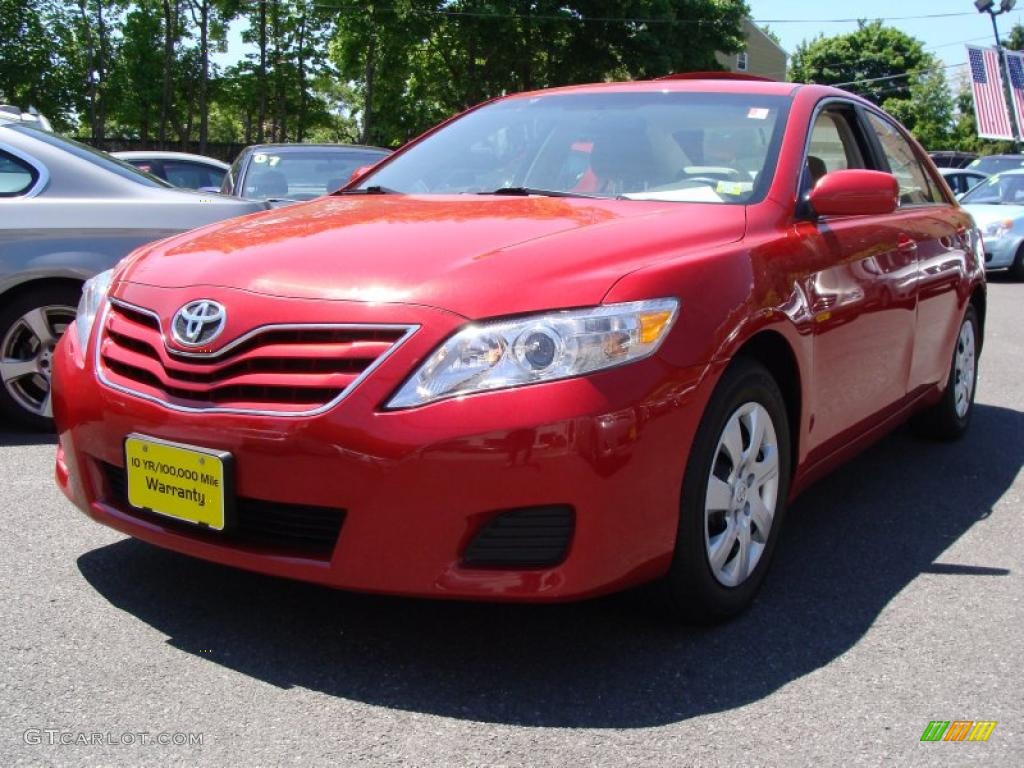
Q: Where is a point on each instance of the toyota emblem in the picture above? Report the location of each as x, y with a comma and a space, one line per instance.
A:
198, 322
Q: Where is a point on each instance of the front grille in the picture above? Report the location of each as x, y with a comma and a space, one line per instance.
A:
534, 537
288, 370
294, 529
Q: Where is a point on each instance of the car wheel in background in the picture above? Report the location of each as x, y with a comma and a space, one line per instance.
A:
734, 493
30, 327
948, 418
1017, 268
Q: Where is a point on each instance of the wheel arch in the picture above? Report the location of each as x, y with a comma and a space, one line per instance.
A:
772, 350
34, 284
979, 300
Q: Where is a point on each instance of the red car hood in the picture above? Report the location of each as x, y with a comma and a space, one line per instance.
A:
476, 256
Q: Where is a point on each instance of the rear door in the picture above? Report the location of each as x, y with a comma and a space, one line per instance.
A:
939, 234
860, 288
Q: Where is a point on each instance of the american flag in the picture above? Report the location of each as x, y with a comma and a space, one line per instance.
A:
1015, 66
989, 100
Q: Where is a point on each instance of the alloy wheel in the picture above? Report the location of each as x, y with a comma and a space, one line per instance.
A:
26, 356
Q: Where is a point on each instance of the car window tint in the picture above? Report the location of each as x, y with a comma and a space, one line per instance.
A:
16, 176
915, 186
182, 173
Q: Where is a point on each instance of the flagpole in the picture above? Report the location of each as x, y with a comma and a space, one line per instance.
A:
988, 6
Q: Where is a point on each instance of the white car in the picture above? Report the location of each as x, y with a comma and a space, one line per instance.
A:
179, 168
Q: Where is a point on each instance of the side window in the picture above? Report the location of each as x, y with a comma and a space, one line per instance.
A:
833, 145
16, 176
182, 173
915, 186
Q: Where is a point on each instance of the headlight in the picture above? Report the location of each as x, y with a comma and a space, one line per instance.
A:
997, 229
538, 348
94, 293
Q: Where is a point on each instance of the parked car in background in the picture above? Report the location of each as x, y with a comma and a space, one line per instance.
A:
179, 168
997, 207
952, 159
990, 164
288, 173
68, 211
463, 376
961, 179
31, 116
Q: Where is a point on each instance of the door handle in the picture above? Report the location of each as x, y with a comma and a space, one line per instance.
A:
906, 244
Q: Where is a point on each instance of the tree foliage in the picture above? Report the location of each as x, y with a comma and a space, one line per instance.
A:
378, 70
889, 67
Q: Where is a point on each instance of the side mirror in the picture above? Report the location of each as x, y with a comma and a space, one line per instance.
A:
360, 171
854, 192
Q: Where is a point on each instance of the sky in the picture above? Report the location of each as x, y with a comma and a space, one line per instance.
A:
797, 20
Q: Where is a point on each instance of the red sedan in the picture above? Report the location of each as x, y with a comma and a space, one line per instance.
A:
567, 342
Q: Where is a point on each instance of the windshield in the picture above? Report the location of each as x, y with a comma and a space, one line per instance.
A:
693, 147
302, 174
997, 164
1001, 189
94, 156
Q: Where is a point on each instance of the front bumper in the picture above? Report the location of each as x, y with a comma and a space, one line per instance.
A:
417, 485
1000, 254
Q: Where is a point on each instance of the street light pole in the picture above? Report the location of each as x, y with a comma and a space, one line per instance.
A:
1005, 6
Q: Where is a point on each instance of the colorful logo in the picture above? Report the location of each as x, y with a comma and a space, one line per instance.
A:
958, 730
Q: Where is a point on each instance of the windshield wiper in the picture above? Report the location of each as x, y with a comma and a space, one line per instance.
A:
375, 189
524, 191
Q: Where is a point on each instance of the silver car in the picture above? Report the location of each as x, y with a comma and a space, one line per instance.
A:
67, 212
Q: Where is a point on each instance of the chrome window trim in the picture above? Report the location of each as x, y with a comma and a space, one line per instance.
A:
408, 330
42, 174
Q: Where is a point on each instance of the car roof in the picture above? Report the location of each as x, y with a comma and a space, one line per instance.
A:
950, 171
143, 154
709, 83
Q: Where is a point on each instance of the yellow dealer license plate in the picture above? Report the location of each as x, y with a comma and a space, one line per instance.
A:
179, 481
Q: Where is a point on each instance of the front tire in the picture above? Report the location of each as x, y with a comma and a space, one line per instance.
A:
1017, 268
733, 500
30, 327
948, 419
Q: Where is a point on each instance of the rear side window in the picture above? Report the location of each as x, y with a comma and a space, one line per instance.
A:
915, 186
182, 173
16, 176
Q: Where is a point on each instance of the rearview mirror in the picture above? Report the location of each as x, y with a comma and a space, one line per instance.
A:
854, 192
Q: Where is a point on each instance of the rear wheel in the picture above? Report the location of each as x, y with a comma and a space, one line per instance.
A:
734, 493
30, 327
948, 418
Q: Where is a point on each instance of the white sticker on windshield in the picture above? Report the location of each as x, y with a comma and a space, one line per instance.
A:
259, 157
757, 113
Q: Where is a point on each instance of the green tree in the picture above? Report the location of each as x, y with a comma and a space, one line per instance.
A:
872, 60
136, 72
928, 112
40, 62
416, 61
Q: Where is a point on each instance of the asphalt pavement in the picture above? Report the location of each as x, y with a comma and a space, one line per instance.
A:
896, 598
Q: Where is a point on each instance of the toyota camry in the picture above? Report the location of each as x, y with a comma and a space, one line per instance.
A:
567, 342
